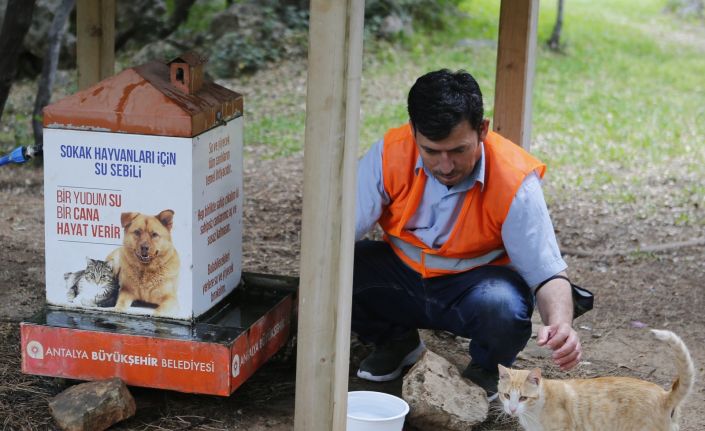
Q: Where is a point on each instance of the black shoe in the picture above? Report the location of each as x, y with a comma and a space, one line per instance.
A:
388, 359
483, 378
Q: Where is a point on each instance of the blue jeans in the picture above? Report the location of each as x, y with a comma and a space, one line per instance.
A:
491, 305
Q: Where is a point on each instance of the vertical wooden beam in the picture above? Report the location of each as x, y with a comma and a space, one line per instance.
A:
327, 243
516, 55
95, 45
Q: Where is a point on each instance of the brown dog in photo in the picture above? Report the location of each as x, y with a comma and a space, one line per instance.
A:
147, 264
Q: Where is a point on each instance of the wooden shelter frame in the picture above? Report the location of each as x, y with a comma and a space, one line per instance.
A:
330, 153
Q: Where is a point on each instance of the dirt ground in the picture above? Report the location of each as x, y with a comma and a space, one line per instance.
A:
634, 290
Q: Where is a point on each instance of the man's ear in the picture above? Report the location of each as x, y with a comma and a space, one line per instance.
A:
484, 128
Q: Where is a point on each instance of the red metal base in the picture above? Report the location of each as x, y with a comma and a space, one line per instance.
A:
212, 356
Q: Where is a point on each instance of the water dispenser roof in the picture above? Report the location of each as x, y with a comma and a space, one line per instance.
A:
166, 99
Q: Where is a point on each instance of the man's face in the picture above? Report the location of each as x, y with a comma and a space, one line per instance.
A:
452, 159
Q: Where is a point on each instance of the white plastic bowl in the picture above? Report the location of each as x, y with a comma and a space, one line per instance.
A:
375, 411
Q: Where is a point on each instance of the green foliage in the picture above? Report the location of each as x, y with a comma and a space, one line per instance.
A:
200, 14
424, 14
267, 31
16, 132
236, 52
275, 30
240, 54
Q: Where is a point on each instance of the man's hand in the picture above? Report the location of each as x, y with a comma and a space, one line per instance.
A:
564, 342
555, 303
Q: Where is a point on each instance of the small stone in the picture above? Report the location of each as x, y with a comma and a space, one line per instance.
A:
92, 406
440, 399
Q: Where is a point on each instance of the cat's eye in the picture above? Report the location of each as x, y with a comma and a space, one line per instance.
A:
504, 395
523, 398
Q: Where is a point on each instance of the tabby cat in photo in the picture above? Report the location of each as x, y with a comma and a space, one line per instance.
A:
599, 404
94, 286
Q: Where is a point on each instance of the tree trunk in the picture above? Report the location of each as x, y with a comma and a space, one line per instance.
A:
18, 17
51, 60
181, 10
554, 42
160, 30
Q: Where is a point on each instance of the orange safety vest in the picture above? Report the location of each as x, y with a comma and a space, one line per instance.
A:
476, 237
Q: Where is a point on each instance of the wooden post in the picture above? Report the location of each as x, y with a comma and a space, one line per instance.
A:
327, 242
516, 55
95, 45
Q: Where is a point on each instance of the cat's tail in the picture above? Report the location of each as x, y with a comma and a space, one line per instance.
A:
685, 380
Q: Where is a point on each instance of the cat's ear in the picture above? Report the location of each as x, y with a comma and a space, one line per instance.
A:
126, 218
88, 260
503, 371
166, 217
534, 376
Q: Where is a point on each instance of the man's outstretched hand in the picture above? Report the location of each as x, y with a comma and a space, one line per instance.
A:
564, 342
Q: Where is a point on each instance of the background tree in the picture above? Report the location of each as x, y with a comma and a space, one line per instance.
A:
179, 16
51, 60
18, 17
554, 42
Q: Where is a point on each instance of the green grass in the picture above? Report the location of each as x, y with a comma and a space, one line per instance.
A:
621, 93
627, 91
626, 94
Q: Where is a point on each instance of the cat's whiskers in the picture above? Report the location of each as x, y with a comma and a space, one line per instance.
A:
530, 420
500, 416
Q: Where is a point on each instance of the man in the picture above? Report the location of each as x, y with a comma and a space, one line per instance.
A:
468, 240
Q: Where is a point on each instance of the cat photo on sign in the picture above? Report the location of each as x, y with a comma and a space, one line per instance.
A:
598, 404
94, 286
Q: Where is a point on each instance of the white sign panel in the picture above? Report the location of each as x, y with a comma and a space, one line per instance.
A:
143, 224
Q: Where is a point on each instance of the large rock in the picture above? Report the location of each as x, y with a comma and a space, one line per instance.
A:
394, 25
138, 20
92, 406
440, 399
161, 50
35, 41
242, 18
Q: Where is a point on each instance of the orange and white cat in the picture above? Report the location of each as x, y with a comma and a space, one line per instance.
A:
599, 404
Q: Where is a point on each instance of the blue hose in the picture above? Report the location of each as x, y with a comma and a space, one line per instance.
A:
16, 156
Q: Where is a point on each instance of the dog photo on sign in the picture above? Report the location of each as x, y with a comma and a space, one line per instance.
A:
147, 264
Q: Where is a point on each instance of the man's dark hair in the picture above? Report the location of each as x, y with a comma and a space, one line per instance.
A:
440, 100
